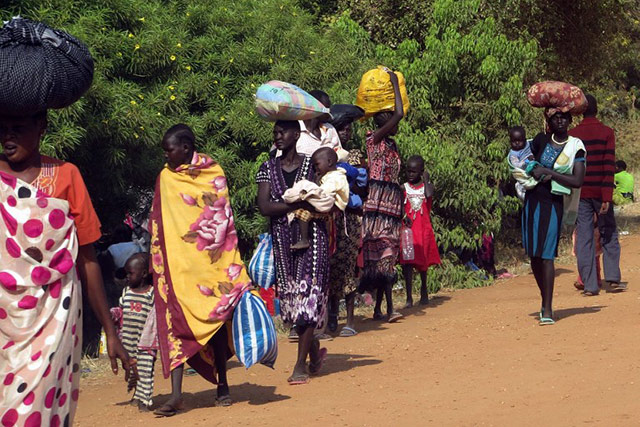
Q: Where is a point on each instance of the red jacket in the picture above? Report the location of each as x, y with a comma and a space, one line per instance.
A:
600, 142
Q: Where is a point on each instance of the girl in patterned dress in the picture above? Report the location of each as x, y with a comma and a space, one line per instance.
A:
383, 209
418, 200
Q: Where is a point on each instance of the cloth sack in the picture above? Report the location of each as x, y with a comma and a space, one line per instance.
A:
254, 334
262, 267
376, 94
556, 97
276, 100
41, 68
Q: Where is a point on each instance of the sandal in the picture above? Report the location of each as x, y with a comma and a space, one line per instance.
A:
348, 332
323, 337
298, 379
395, 316
167, 410
378, 316
314, 368
222, 401
546, 321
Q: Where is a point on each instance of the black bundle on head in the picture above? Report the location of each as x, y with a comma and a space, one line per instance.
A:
344, 114
40, 68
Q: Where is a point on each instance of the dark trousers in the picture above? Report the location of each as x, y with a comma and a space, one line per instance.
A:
586, 248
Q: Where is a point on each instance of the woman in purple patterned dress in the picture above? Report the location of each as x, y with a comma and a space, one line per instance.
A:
301, 276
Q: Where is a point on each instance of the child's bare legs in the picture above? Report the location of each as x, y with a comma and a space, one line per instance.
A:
377, 311
303, 243
407, 272
424, 293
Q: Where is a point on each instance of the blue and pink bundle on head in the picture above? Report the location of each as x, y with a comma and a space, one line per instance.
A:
276, 100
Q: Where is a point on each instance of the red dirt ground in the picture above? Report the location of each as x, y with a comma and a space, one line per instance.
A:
473, 357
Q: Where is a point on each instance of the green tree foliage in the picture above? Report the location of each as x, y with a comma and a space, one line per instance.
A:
198, 62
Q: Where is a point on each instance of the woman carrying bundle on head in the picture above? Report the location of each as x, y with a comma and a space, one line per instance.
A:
48, 230
558, 166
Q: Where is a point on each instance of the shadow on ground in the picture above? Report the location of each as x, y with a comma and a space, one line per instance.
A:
563, 313
253, 394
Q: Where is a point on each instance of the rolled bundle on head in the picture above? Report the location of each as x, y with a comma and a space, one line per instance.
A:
343, 114
276, 100
40, 68
557, 97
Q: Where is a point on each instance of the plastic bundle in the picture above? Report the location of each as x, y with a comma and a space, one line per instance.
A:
276, 100
376, 94
40, 68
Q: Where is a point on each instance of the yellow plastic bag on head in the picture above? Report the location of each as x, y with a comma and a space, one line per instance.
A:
376, 94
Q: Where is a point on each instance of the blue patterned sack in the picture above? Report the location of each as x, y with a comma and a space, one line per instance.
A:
254, 335
262, 267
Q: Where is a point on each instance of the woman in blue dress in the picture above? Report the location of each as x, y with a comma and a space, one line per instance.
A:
543, 206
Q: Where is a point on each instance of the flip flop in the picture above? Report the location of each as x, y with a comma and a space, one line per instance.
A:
222, 401
299, 379
348, 332
165, 411
324, 337
546, 321
395, 316
314, 369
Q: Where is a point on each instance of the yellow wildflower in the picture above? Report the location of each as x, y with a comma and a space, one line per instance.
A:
171, 87
188, 14
252, 85
178, 44
222, 119
136, 47
215, 82
172, 97
141, 127
158, 114
283, 55
221, 96
270, 60
172, 57
141, 96
231, 61
188, 67
119, 54
133, 102
141, 19
131, 35
136, 135
312, 52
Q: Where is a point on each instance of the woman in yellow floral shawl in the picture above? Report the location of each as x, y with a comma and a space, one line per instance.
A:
198, 273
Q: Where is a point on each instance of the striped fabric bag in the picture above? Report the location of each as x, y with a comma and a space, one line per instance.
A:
262, 267
276, 100
254, 334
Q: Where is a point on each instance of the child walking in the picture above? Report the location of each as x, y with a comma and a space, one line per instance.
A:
138, 331
417, 209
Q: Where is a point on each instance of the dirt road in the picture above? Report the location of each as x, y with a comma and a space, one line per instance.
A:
473, 357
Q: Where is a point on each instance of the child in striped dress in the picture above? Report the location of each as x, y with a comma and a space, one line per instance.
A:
139, 335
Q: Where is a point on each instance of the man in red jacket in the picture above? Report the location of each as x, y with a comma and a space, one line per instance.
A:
595, 198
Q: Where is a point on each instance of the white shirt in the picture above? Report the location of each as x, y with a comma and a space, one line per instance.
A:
308, 143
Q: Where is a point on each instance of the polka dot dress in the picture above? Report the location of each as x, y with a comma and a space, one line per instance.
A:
40, 317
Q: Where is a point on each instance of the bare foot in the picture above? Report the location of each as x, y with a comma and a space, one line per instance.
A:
302, 244
409, 304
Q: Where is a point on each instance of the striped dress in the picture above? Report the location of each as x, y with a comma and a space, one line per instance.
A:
135, 309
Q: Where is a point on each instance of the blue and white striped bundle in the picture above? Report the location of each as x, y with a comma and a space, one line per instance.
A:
262, 268
254, 335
